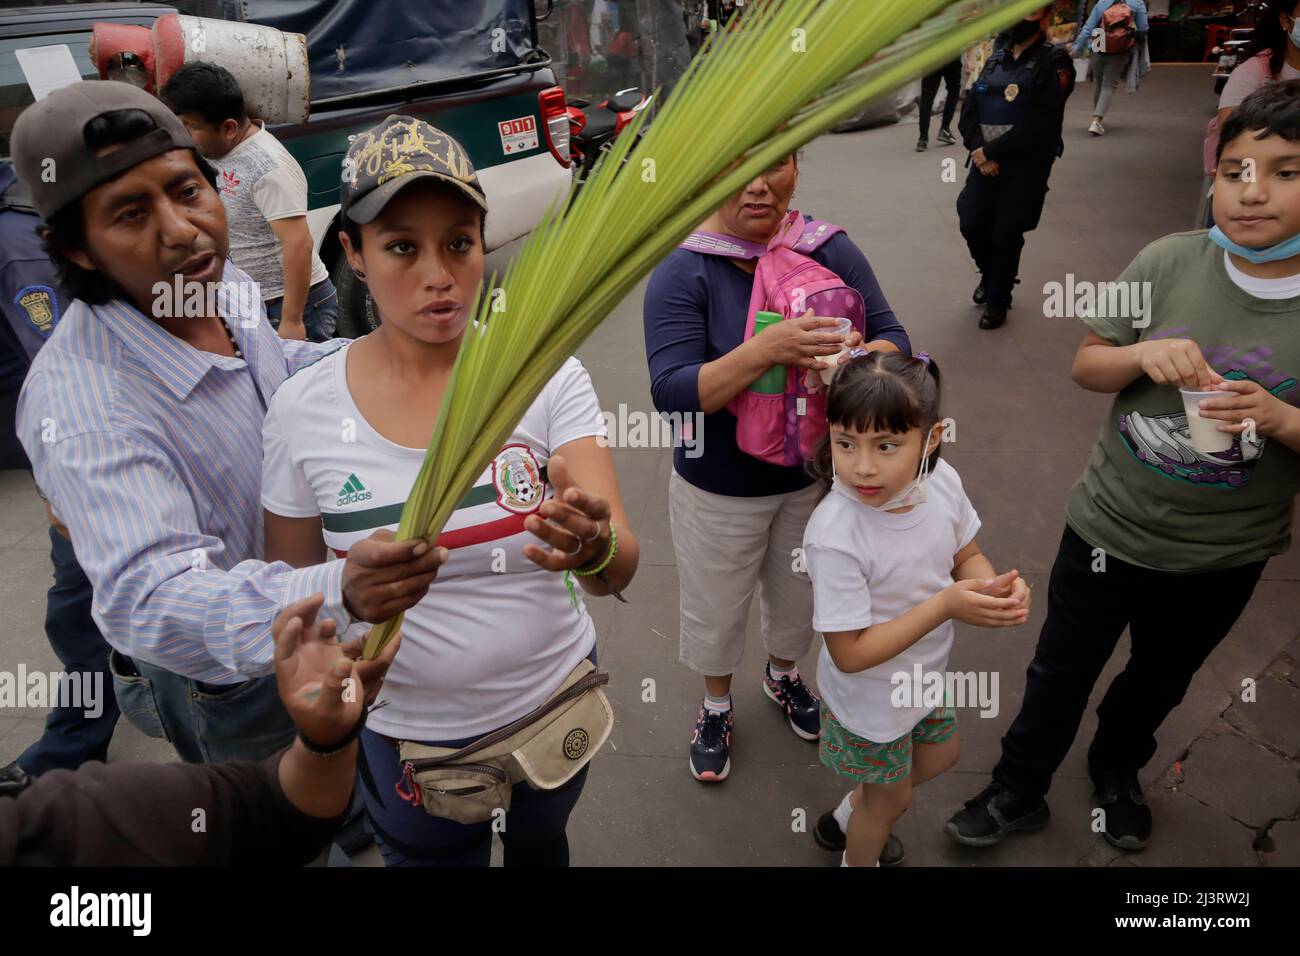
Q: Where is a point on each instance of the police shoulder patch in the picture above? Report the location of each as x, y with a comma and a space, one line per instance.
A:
41, 306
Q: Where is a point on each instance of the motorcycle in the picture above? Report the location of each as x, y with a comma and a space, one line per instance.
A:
1232, 50
593, 129
1230, 53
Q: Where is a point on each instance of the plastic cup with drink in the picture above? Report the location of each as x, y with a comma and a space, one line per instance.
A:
1204, 432
844, 328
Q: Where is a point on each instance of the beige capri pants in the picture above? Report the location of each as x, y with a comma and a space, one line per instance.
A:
726, 548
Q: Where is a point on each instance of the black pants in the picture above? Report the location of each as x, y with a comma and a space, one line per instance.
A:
12, 456
951, 77
1174, 622
995, 212
74, 735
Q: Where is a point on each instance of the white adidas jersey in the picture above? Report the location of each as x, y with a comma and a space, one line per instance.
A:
496, 635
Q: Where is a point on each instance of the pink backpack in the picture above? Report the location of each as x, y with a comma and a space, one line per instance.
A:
786, 429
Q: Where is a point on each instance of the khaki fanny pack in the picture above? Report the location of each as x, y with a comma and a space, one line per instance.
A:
546, 747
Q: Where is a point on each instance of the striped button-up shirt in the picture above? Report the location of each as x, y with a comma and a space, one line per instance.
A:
150, 451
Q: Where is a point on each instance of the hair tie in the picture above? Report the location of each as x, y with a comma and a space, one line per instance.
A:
858, 353
924, 357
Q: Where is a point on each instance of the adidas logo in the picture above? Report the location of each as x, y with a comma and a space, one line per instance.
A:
352, 492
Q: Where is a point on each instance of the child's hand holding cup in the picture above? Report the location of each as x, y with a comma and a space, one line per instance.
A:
1204, 432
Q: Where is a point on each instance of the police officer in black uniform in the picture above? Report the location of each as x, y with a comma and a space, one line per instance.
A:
32, 303
1011, 123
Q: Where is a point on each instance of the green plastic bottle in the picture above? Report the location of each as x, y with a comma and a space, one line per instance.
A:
771, 382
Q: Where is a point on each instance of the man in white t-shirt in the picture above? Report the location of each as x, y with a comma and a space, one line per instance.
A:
265, 195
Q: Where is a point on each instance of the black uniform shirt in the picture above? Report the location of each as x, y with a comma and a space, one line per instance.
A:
1036, 137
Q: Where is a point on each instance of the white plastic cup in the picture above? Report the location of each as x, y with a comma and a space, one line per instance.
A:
1204, 432
843, 327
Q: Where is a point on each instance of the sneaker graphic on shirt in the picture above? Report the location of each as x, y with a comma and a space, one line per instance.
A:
352, 492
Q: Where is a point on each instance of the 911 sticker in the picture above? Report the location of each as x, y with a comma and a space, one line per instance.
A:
518, 135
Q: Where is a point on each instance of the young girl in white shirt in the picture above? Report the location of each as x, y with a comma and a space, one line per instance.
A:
892, 555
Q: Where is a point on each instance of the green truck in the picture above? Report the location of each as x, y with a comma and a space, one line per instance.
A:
470, 67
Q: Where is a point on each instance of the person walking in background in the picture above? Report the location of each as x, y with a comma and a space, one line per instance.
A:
950, 76
265, 194
1011, 123
1117, 33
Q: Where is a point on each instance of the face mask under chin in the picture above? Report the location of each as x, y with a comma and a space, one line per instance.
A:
915, 492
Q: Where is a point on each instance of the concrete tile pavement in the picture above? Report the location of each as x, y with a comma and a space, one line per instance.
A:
1024, 431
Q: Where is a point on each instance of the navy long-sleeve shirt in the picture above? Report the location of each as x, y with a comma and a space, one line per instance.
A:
695, 310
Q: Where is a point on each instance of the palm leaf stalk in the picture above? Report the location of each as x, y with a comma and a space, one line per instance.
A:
750, 99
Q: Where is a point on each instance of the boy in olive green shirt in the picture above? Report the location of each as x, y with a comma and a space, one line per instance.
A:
1160, 537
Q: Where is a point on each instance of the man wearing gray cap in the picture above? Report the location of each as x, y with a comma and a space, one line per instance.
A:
142, 417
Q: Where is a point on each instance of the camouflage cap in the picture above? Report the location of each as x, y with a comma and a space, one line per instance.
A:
389, 157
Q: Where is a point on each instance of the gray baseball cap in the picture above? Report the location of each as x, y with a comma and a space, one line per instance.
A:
389, 157
53, 130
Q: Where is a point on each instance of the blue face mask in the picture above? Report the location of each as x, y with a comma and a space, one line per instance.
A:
1283, 250
1295, 31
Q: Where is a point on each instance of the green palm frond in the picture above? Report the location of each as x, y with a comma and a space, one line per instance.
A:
792, 70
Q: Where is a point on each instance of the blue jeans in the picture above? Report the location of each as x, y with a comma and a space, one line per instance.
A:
320, 314
71, 738
206, 724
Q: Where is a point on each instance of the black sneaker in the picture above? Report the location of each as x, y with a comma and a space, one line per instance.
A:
829, 836
1125, 813
799, 703
993, 813
711, 747
922, 146
946, 138
993, 317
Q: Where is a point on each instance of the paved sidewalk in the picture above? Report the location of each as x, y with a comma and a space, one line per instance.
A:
1023, 433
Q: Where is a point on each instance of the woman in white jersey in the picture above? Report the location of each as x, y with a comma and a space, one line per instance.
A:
344, 440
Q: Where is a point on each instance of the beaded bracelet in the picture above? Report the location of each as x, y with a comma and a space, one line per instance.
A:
613, 550
597, 572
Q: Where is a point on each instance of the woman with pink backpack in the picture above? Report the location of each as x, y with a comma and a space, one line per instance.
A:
1116, 31
739, 323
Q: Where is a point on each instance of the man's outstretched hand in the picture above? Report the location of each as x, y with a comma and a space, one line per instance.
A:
322, 684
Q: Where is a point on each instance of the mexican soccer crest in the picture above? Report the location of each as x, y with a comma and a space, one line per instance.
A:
518, 479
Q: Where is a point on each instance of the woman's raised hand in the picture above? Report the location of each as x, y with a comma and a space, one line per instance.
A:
802, 342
